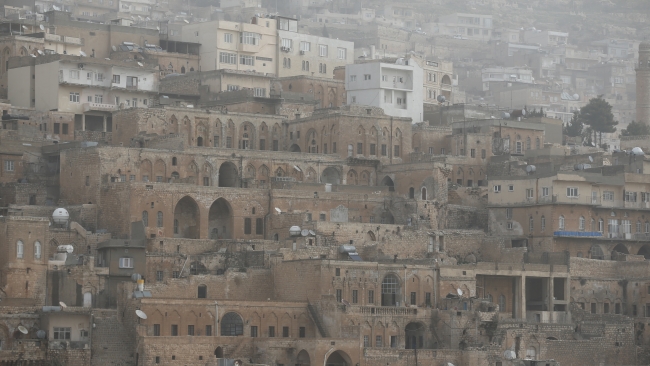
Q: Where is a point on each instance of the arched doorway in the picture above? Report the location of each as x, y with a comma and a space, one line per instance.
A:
338, 358
415, 335
388, 182
390, 290
232, 325
619, 248
294, 148
330, 175
645, 251
218, 352
228, 176
220, 222
186, 219
303, 359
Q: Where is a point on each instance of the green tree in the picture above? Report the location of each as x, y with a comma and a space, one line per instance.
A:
636, 129
597, 114
575, 127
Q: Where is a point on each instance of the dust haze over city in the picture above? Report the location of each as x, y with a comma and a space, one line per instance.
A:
324, 182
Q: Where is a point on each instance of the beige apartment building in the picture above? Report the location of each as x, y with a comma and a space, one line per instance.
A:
437, 79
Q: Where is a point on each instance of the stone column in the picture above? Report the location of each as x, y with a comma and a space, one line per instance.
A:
551, 299
83, 122
104, 123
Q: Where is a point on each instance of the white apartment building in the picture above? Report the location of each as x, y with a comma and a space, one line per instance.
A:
471, 26
545, 38
90, 88
304, 54
505, 75
396, 87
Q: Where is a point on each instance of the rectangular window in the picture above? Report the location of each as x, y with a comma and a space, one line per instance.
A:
483, 154
74, 74
371, 296
247, 60
227, 37
355, 296
322, 217
190, 330
396, 150
359, 148
247, 226
572, 192
508, 213
175, 274
373, 149
156, 330
305, 46
62, 332
229, 142
74, 97
339, 295
322, 50
250, 38
208, 330
608, 196
367, 77
333, 147
228, 58
9, 165
64, 128
472, 153
159, 275
254, 331
126, 262
545, 191
259, 92
393, 341
174, 330
116, 79
529, 193
353, 78
271, 331
366, 341
427, 298
99, 98
378, 341
302, 332
630, 196
287, 43
497, 188
259, 226
511, 188
413, 298
285, 332
342, 53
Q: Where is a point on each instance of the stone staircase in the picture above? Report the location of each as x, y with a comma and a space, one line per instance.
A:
111, 343
316, 318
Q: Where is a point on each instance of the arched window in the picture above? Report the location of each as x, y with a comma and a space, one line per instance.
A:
502, 303
160, 219
581, 223
424, 193
411, 192
543, 223
561, 223
232, 325
596, 252
37, 250
145, 218
20, 249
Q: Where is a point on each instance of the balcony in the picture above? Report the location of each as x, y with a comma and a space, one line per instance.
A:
100, 107
581, 234
382, 310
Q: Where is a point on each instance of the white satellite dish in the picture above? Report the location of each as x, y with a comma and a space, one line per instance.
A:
141, 314
140, 63
312, 233
637, 151
114, 48
450, 364
345, 302
33, 55
278, 210
107, 59
509, 355
158, 29
459, 292
22, 329
42, 27
24, 27
39, 52
185, 20
304, 232
591, 159
82, 53
63, 305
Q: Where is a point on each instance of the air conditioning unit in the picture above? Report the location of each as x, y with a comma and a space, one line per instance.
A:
302, 52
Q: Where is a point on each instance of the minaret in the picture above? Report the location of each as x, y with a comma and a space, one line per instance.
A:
643, 84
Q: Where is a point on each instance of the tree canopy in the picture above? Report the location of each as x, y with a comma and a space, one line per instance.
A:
636, 129
575, 127
597, 114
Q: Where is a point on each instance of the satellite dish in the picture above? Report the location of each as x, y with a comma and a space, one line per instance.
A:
278, 210
591, 159
312, 233
107, 59
637, 151
82, 53
39, 52
33, 55
140, 63
530, 168
114, 48
523, 112
63, 305
158, 29
441, 99
141, 314
450, 364
459, 292
505, 115
24, 27
42, 27
345, 302
41, 334
185, 20
509, 355
22, 329
304, 232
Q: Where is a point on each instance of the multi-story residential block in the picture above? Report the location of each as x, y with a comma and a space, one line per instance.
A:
545, 38
508, 75
438, 79
396, 86
470, 26
89, 88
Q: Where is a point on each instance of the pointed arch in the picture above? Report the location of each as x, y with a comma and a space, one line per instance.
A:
187, 219
352, 178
